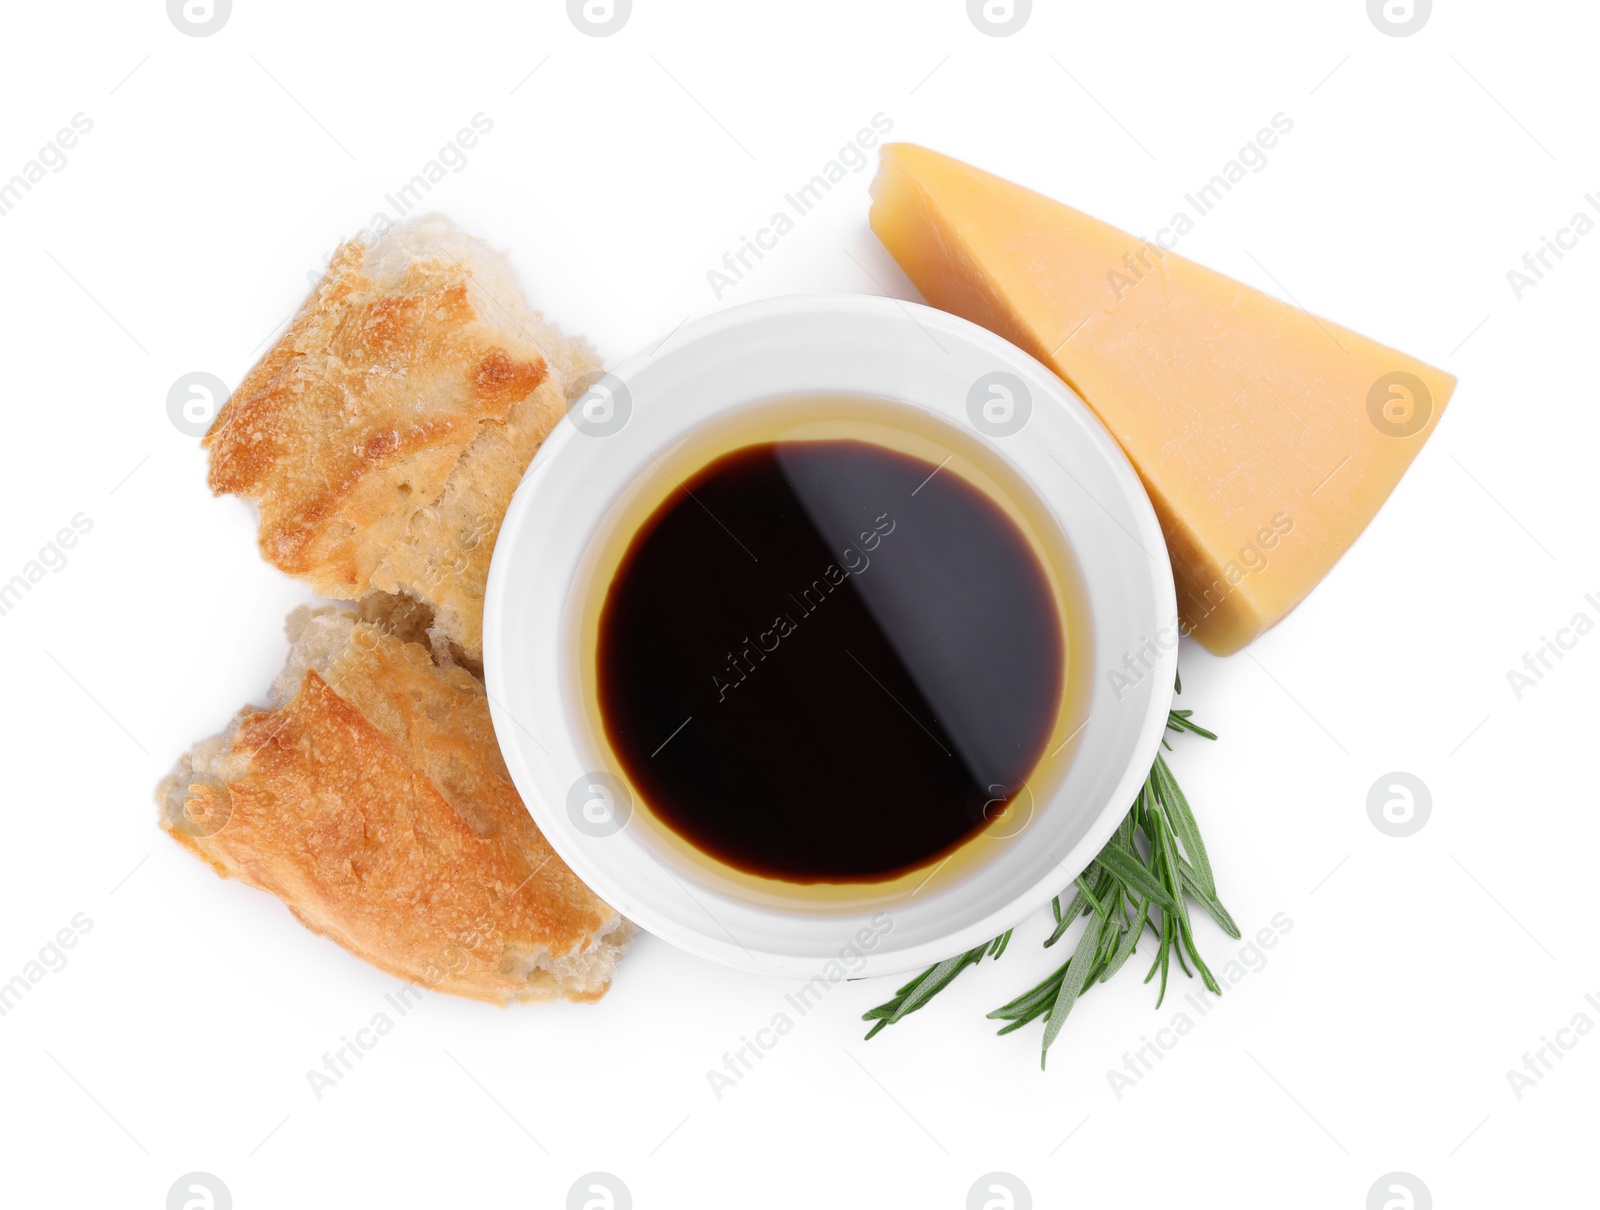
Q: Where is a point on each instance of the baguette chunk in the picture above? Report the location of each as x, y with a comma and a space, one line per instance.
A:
373, 800
382, 436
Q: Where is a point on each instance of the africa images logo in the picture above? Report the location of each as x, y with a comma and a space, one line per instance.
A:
199, 18
599, 1191
999, 18
1399, 804
599, 804
1399, 18
999, 404
1399, 1191
599, 18
193, 402
598, 404
199, 1191
999, 1191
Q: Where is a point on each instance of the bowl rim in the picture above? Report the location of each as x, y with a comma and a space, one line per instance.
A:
586, 859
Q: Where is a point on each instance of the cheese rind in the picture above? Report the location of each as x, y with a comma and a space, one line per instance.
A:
1267, 438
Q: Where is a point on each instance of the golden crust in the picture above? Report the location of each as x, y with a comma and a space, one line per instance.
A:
383, 434
443, 557
376, 805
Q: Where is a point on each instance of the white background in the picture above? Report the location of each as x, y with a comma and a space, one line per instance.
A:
1378, 1035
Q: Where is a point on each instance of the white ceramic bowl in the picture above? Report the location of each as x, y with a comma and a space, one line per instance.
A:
796, 346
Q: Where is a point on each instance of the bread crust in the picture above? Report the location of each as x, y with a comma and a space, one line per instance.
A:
374, 802
382, 436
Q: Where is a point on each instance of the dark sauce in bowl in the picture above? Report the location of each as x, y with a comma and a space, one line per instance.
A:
828, 661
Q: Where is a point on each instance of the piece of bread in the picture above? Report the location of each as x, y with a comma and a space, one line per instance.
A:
384, 433
373, 800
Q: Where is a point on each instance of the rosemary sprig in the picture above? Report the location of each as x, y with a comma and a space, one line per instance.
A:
1155, 859
930, 983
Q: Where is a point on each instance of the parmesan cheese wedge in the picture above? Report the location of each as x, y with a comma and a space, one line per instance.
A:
1267, 438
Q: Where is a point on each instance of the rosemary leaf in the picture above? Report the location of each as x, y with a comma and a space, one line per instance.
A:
1183, 822
1130, 938
1092, 899
1073, 982
1131, 874
923, 988
1211, 903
